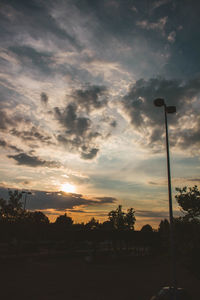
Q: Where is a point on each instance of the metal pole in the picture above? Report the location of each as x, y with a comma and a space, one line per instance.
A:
172, 244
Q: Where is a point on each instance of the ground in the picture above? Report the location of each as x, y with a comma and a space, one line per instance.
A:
136, 278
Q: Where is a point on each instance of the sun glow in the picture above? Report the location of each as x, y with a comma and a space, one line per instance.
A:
68, 188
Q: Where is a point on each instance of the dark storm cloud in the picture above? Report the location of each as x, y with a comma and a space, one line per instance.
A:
69, 119
34, 18
78, 132
59, 200
44, 98
33, 161
106, 199
184, 60
31, 135
7, 120
3, 144
113, 123
89, 155
32, 59
194, 179
93, 97
6, 145
62, 200
148, 120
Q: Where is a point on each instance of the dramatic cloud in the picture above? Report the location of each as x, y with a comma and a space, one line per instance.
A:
89, 155
4, 144
159, 25
33, 59
31, 135
7, 120
93, 97
44, 98
148, 120
79, 131
40, 200
33, 161
66, 69
106, 199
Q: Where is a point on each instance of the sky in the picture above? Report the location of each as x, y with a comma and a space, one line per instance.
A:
78, 127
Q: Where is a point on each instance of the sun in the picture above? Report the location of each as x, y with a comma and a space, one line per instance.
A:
68, 188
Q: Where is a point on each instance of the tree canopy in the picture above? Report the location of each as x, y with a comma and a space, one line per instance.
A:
121, 220
64, 220
11, 210
147, 228
189, 202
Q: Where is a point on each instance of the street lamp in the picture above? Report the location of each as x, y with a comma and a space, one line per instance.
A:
168, 110
26, 193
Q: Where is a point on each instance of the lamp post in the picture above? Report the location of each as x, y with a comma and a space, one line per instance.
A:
26, 193
168, 110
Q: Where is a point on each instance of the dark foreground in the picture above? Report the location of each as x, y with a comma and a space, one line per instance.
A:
136, 278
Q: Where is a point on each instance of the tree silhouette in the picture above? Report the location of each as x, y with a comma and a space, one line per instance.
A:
189, 202
121, 220
92, 224
37, 217
130, 218
11, 210
147, 228
64, 220
163, 228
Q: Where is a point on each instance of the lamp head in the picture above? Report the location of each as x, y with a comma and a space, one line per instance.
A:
159, 102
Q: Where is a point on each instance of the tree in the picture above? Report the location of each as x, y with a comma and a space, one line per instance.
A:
37, 217
116, 218
189, 202
121, 220
11, 210
130, 218
64, 220
147, 228
92, 224
164, 227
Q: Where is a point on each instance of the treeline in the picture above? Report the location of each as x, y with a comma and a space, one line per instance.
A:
12, 212
18, 224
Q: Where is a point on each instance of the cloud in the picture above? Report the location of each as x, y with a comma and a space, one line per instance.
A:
78, 134
35, 20
93, 97
31, 135
152, 183
194, 179
68, 118
33, 161
159, 25
78, 130
159, 3
147, 120
154, 214
4, 144
32, 58
90, 154
172, 37
7, 120
41, 200
106, 199
44, 98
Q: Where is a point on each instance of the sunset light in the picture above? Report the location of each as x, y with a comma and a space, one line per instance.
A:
68, 188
